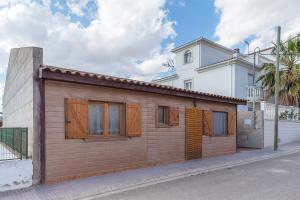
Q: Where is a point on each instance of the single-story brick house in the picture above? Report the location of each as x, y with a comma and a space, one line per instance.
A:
94, 124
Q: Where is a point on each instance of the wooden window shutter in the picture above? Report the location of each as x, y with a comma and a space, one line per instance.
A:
133, 120
231, 123
173, 116
207, 123
76, 112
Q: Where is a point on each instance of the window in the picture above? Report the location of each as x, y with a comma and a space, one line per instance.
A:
163, 115
219, 123
96, 118
114, 113
188, 84
250, 79
105, 118
188, 57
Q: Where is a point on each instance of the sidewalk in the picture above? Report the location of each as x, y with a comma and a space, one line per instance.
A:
117, 182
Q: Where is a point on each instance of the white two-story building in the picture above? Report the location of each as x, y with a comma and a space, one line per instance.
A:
206, 66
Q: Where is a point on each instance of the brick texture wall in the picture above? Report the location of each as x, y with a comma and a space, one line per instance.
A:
75, 158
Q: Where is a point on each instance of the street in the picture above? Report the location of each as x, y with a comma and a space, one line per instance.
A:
270, 179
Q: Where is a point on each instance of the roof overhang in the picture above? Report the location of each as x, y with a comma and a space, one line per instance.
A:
79, 77
225, 63
199, 40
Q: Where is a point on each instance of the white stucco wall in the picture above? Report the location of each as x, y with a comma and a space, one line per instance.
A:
210, 54
289, 131
217, 81
241, 77
179, 58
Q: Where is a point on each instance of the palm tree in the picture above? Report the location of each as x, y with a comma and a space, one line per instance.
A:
289, 74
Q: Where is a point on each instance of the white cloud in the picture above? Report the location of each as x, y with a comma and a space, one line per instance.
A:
124, 38
256, 18
78, 7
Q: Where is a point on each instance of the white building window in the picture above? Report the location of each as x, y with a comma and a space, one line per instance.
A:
188, 84
188, 58
250, 79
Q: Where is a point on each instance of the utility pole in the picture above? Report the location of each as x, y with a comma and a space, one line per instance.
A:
277, 89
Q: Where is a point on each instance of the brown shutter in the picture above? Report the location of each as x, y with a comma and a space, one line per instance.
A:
207, 123
76, 112
193, 133
173, 116
231, 123
133, 120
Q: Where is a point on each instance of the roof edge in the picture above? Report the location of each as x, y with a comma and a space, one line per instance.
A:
80, 77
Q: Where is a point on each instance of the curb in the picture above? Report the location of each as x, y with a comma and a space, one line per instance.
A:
179, 175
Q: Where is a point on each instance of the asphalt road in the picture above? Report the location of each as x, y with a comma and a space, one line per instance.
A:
270, 179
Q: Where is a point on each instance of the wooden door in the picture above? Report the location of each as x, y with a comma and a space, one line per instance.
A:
193, 133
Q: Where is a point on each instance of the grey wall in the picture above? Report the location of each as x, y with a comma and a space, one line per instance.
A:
247, 136
211, 54
21, 98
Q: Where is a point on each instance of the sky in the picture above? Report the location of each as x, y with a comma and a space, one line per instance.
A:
133, 38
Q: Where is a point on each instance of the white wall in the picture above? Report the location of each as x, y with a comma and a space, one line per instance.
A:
179, 58
218, 81
241, 77
210, 54
289, 131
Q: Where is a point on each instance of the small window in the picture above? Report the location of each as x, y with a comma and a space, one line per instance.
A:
114, 113
188, 57
219, 123
96, 118
188, 84
105, 118
250, 79
163, 115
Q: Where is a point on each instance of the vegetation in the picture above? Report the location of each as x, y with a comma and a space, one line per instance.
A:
289, 75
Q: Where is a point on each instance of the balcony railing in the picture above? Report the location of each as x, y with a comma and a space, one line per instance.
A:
254, 93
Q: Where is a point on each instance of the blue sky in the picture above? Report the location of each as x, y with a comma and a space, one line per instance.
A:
193, 19
134, 38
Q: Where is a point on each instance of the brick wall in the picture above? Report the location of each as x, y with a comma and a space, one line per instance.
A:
72, 158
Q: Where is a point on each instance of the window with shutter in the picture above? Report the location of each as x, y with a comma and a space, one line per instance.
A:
173, 116
220, 123
231, 123
105, 119
163, 116
207, 123
133, 120
76, 111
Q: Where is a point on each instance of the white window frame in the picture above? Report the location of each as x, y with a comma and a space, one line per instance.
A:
252, 75
185, 53
188, 81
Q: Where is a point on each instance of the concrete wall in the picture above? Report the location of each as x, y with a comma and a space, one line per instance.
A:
289, 131
74, 158
21, 98
247, 136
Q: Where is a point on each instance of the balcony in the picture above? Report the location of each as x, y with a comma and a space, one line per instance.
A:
254, 93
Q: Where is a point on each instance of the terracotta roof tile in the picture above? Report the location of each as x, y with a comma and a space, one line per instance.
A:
72, 72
